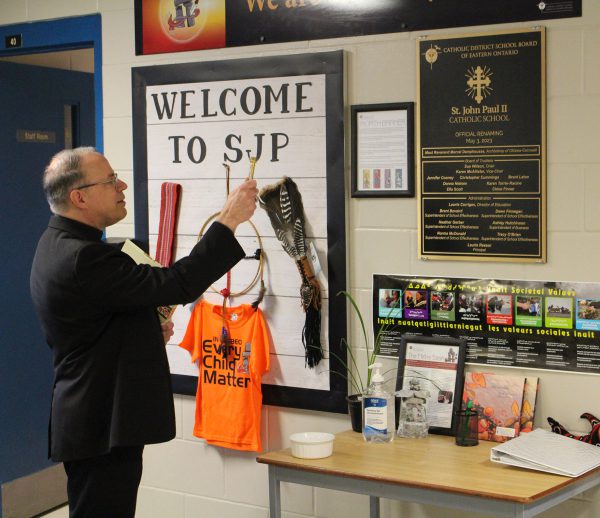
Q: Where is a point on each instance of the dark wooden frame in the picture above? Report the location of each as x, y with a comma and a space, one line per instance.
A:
435, 341
331, 65
409, 191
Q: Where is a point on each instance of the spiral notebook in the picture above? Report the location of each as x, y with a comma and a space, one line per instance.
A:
542, 450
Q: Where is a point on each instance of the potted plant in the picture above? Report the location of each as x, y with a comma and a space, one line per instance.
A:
357, 383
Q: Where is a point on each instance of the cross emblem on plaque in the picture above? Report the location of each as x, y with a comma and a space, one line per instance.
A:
479, 82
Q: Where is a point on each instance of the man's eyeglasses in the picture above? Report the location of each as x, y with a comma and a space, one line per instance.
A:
113, 179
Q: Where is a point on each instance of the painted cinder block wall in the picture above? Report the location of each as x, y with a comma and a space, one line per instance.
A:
186, 478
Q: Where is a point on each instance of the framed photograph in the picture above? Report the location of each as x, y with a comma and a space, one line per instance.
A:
383, 150
436, 365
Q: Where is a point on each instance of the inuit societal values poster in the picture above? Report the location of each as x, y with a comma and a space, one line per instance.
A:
510, 323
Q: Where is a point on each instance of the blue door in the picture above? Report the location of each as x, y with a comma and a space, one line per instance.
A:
40, 108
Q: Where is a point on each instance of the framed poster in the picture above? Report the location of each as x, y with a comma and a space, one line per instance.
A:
382, 150
286, 113
434, 364
550, 325
482, 147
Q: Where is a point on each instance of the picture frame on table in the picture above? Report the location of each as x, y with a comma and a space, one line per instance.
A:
435, 364
383, 150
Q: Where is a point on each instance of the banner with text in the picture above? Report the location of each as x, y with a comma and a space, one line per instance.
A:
183, 25
552, 325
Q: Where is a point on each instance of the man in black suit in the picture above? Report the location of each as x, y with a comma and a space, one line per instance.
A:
112, 388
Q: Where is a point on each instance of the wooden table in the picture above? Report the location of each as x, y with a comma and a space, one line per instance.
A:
431, 470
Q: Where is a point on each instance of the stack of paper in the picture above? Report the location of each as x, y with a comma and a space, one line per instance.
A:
547, 451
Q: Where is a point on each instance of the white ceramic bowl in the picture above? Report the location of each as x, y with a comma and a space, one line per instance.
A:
312, 445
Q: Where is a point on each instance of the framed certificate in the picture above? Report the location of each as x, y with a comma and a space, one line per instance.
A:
434, 364
383, 150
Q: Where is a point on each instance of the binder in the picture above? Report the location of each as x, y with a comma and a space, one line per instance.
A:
547, 451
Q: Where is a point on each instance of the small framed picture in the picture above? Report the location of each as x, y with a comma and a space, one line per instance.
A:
383, 150
435, 365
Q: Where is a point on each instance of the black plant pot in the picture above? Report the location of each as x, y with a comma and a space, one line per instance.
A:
355, 411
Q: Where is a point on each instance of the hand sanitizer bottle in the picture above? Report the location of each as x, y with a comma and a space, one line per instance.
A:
378, 410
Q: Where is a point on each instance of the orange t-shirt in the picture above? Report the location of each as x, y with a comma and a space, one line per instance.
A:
229, 396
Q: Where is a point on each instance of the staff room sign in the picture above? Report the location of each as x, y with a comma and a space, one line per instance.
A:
481, 147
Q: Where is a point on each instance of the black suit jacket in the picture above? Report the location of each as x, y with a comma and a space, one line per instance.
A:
112, 385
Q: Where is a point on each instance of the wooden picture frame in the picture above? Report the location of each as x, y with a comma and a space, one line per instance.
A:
438, 364
289, 382
383, 150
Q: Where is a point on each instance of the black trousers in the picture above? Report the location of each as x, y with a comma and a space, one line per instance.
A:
105, 486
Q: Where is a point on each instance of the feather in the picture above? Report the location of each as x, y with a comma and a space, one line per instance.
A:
287, 246
283, 203
269, 199
297, 206
299, 242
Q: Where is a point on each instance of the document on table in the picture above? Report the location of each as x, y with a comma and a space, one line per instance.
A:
547, 451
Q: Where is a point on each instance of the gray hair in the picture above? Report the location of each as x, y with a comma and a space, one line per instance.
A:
62, 174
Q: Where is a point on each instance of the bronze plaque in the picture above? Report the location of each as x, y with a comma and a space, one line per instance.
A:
481, 147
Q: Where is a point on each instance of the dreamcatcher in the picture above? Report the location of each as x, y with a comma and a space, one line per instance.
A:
226, 292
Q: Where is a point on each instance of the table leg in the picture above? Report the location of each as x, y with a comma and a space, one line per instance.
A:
274, 494
374, 507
